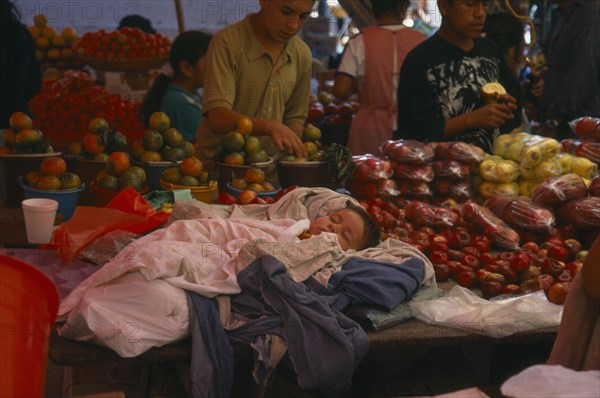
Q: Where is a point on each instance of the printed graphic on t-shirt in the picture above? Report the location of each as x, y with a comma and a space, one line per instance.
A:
456, 89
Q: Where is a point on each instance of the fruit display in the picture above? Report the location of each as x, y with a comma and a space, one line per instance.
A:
554, 191
64, 109
311, 139
120, 174
521, 213
100, 141
22, 137
53, 49
526, 149
588, 150
52, 176
190, 173
253, 188
240, 147
114, 50
587, 128
161, 142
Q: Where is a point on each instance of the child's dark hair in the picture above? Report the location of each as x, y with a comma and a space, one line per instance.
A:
381, 7
372, 231
188, 46
137, 21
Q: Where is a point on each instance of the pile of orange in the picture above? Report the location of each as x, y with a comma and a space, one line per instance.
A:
161, 142
53, 49
21, 137
100, 141
189, 173
240, 147
254, 179
120, 174
52, 176
311, 136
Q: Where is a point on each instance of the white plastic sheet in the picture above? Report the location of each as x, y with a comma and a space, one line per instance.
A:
552, 381
463, 309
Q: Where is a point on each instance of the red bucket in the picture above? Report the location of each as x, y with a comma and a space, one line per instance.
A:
28, 309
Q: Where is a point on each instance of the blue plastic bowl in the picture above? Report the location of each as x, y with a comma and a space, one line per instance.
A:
66, 198
261, 194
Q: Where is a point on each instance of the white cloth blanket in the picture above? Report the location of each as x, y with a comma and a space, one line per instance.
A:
136, 301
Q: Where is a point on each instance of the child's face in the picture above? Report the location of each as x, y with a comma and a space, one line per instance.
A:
347, 224
284, 18
464, 17
198, 71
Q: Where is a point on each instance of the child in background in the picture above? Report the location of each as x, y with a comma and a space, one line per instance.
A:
177, 96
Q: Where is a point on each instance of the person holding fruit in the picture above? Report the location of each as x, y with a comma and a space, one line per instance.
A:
20, 74
257, 69
177, 96
439, 95
370, 66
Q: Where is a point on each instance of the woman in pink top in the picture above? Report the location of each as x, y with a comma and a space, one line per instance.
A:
370, 66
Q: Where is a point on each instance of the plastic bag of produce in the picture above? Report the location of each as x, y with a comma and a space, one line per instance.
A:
418, 189
414, 172
594, 187
586, 127
451, 169
497, 169
409, 151
461, 190
422, 214
581, 213
521, 213
589, 150
489, 224
526, 187
506, 189
371, 168
545, 169
559, 189
459, 151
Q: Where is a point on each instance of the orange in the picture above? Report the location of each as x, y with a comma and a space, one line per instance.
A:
150, 156
40, 20
107, 181
159, 121
188, 148
173, 137
70, 181
246, 196
93, 144
267, 186
140, 172
137, 148
311, 148
172, 175
57, 41
234, 158
42, 42
98, 126
153, 140
48, 183
117, 163
20, 121
256, 187
35, 31
252, 144
173, 154
257, 157
48, 32
243, 125
239, 183
233, 142
28, 138
254, 175
53, 167
68, 33
191, 166
311, 133
32, 178
102, 156
188, 181
9, 137
129, 178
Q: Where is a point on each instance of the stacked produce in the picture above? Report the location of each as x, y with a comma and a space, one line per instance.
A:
188, 173
240, 147
161, 142
538, 158
452, 166
126, 43
52, 49
52, 176
311, 139
100, 141
120, 174
64, 109
371, 178
22, 138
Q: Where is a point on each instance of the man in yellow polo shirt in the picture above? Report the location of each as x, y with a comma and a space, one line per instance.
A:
258, 68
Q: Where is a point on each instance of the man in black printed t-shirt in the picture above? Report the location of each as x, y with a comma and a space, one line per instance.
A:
438, 94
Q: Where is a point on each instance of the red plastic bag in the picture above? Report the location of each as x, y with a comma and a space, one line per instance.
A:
414, 172
559, 189
128, 211
581, 213
459, 151
423, 214
521, 213
409, 151
451, 169
489, 224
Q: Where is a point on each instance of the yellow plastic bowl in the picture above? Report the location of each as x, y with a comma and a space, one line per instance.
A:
204, 193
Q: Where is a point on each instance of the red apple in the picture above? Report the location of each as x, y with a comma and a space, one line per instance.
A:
531, 246
501, 262
460, 239
486, 258
470, 261
496, 277
466, 279
455, 255
529, 286
507, 256
547, 279
509, 274
565, 276
531, 273
442, 272
492, 267
552, 266
438, 246
481, 245
491, 289
438, 257
482, 238
471, 250
391, 208
511, 289
558, 293
574, 267
481, 275
573, 247
520, 262
345, 110
246, 196
558, 252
